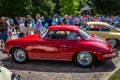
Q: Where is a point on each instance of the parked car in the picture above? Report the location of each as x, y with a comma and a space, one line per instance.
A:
6, 74
104, 30
63, 43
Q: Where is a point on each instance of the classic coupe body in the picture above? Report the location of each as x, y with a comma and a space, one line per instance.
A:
61, 42
104, 30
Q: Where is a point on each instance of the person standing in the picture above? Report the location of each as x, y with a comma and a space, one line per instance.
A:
16, 23
65, 20
38, 27
77, 21
27, 25
3, 31
50, 20
43, 20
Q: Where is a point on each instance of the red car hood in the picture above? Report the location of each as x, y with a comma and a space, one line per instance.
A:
97, 38
99, 41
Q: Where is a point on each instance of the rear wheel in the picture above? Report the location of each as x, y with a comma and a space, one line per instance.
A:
113, 42
84, 59
19, 55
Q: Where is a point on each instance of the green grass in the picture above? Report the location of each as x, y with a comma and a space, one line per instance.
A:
115, 76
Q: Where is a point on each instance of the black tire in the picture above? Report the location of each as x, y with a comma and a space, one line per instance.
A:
93, 59
15, 52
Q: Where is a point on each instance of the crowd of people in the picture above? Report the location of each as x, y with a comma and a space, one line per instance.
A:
81, 19
23, 26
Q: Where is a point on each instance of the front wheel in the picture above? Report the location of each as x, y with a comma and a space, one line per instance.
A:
84, 59
19, 55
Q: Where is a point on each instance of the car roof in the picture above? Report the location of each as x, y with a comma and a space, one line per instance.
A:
64, 27
98, 23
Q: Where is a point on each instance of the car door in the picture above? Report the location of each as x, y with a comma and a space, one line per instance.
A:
53, 46
104, 32
74, 43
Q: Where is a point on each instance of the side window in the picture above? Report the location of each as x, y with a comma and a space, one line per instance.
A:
72, 36
50, 34
97, 28
93, 28
56, 35
62, 35
104, 28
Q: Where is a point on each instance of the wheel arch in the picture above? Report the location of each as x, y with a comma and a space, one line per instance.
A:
14, 48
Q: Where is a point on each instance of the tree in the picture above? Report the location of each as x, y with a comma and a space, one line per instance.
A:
15, 7
44, 7
69, 7
105, 6
81, 4
57, 7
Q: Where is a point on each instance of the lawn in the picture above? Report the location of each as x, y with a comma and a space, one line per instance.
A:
115, 76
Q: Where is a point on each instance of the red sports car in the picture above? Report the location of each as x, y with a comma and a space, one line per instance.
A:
61, 42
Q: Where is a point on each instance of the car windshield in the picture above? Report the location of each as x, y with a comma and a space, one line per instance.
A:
44, 32
84, 27
112, 27
84, 34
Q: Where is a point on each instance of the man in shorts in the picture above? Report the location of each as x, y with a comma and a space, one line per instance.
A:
3, 31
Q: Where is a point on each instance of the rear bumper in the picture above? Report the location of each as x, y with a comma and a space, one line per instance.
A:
4, 51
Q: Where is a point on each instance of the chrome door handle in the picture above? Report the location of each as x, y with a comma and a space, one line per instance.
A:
63, 46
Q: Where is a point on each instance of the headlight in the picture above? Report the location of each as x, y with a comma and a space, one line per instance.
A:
111, 49
15, 77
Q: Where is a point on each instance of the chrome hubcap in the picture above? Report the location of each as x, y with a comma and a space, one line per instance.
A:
112, 42
84, 58
19, 55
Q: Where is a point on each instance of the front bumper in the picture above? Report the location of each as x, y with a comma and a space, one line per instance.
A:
112, 55
107, 56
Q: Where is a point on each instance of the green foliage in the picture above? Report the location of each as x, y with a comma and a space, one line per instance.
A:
44, 7
81, 4
115, 76
26, 7
15, 7
69, 7
105, 6
57, 7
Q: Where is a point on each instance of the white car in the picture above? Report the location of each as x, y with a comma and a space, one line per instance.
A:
6, 74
